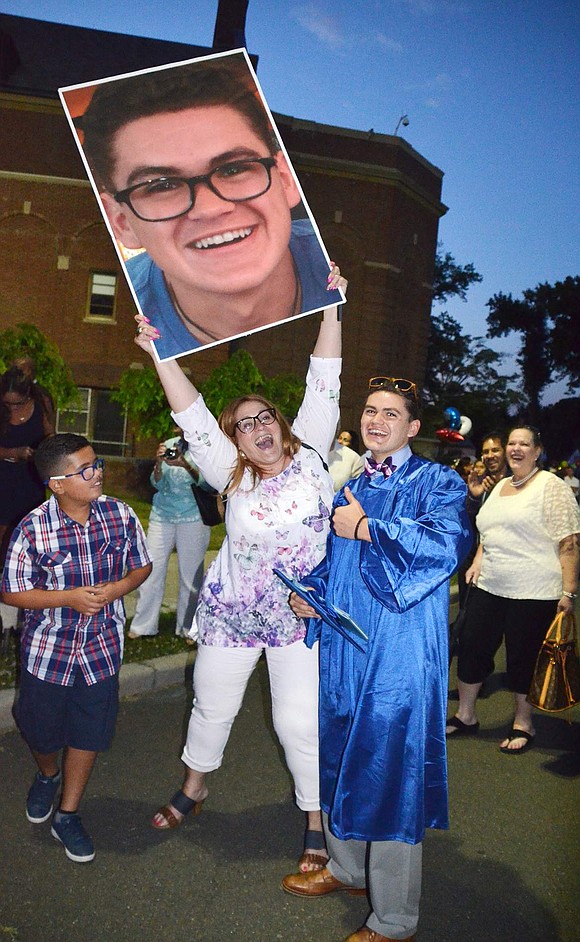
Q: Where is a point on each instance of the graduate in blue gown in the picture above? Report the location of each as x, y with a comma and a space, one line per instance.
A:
398, 533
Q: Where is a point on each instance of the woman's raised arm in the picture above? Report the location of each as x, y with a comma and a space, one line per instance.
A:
329, 340
180, 391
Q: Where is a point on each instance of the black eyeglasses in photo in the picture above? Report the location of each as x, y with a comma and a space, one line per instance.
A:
164, 198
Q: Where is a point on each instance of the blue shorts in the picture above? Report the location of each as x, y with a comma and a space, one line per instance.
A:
51, 716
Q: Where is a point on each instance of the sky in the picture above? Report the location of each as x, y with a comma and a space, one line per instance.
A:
490, 88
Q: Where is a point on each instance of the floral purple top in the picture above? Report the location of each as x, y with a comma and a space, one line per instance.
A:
283, 522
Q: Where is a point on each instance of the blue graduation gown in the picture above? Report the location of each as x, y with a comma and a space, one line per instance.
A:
383, 769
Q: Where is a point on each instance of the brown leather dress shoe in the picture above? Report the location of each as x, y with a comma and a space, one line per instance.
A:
369, 935
317, 883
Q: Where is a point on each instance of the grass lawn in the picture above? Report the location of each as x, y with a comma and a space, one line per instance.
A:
141, 649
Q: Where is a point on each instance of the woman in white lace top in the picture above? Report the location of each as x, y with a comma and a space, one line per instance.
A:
525, 570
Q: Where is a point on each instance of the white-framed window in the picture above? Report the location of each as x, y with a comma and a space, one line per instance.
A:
98, 418
101, 297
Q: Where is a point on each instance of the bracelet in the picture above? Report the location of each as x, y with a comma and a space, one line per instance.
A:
570, 595
359, 521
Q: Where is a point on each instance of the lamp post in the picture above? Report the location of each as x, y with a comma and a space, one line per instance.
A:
403, 120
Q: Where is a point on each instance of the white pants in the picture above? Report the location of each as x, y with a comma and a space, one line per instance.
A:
220, 679
191, 541
9, 616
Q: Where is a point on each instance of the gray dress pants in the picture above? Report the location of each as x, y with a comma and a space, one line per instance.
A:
391, 871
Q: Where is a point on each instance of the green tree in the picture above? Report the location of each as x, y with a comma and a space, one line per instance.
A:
525, 317
239, 376
26, 340
547, 319
451, 280
463, 372
560, 424
562, 304
141, 393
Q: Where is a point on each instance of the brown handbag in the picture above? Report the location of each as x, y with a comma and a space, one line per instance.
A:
556, 682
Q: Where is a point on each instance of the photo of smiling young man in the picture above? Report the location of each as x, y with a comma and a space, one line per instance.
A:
192, 176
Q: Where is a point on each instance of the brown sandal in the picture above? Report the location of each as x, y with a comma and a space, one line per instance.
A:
310, 862
183, 804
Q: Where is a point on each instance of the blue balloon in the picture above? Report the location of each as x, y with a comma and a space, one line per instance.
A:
452, 417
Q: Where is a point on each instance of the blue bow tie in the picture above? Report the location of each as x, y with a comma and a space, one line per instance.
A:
386, 467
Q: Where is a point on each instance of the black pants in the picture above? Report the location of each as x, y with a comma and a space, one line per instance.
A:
490, 618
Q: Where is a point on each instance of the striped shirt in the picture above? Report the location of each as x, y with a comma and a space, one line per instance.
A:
49, 550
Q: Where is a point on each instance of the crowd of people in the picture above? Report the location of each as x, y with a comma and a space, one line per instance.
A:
357, 654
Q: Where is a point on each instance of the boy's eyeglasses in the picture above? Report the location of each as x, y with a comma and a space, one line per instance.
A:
402, 385
166, 198
249, 422
87, 474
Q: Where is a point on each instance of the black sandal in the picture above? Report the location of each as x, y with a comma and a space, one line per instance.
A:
518, 734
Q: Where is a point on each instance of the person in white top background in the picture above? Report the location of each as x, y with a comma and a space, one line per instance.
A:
525, 570
344, 463
572, 481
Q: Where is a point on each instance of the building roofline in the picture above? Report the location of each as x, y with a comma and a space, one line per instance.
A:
300, 124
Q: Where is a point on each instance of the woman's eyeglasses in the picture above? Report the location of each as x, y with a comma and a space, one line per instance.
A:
87, 474
249, 422
402, 385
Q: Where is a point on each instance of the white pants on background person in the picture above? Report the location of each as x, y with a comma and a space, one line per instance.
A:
8, 616
220, 679
191, 541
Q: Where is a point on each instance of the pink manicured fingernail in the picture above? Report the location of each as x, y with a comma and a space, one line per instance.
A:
146, 319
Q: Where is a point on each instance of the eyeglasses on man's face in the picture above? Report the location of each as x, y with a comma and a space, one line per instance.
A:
402, 385
165, 198
249, 422
87, 473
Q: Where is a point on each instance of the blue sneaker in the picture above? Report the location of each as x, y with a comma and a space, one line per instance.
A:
68, 829
41, 797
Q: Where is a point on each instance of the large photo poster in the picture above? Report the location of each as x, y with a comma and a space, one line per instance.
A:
204, 207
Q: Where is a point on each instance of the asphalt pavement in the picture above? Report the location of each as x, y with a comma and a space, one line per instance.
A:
507, 869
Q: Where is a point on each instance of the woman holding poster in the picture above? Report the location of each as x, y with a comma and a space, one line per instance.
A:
277, 515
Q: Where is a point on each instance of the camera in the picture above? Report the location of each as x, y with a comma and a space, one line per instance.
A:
176, 451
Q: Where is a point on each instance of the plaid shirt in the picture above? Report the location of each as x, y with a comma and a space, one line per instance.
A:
48, 550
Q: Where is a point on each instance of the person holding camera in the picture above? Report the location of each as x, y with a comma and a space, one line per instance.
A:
175, 523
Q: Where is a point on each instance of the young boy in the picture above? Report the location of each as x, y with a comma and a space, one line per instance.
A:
69, 564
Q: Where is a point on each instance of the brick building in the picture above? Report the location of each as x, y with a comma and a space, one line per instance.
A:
376, 200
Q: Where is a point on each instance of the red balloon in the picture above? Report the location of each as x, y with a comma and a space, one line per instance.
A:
449, 435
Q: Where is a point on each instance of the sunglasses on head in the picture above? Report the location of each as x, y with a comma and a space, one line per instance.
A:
402, 385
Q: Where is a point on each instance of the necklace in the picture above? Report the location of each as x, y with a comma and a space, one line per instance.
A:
528, 477
295, 307
184, 316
